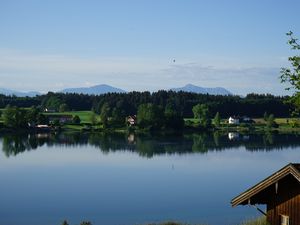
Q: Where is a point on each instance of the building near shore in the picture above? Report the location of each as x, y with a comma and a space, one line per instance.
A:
280, 192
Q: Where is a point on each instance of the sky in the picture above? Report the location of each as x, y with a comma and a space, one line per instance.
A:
148, 45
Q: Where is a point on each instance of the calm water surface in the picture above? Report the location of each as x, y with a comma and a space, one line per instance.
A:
128, 180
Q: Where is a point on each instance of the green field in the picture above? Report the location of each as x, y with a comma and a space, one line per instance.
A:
85, 116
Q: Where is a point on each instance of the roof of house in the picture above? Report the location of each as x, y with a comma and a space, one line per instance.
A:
290, 169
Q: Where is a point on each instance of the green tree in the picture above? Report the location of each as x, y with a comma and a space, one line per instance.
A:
271, 121
173, 118
14, 117
32, 115
93, 118
42, 119
291, 75
53, 102
56, 123
104, 114
9, 116
217, 119
150, 116
63, 107
118, 117
201, 112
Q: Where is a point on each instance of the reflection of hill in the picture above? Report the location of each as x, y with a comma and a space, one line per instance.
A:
148, 146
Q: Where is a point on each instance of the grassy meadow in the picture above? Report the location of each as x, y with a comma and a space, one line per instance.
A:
85, 116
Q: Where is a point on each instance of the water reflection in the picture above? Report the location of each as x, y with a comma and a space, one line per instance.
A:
148, 145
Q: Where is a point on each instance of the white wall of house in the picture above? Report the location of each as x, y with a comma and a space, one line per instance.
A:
233, 120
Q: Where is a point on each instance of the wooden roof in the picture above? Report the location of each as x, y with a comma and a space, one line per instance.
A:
245, 197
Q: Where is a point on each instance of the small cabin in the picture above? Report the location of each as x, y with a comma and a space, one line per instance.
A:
280, 192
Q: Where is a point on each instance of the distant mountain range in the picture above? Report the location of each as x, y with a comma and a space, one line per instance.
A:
5, 91
201, 90
103, 89
94, 90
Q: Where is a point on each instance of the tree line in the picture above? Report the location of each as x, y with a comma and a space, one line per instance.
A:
253, 105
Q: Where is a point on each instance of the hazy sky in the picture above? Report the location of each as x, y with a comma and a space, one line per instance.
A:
131, 44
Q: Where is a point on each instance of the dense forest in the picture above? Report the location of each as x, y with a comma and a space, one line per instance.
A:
253, 105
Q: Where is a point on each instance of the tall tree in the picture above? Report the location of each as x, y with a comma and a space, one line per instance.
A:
217, 119
150, 116
9, 116
173, 118
105, 110
63, 107
53, 102
118, 117
271, 121
32, 115
93, 118
292, 75
201, 112
14, 117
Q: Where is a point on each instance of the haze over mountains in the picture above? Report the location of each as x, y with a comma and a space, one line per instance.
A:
103, 88
94, 90
7, 92
201, 90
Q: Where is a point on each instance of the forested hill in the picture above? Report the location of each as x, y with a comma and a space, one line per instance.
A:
253, 105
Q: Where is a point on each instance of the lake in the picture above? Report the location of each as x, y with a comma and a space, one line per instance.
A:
129, 179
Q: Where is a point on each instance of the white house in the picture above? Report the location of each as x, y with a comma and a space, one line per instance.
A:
233, 120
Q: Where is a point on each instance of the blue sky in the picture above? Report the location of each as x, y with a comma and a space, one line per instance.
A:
239, 45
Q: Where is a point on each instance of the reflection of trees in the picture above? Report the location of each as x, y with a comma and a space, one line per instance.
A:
109, 142
268, 138
148, 145
200, 143
216, 136
12, 145
148, 148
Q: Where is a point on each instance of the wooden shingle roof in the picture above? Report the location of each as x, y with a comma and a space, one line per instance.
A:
245, 197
